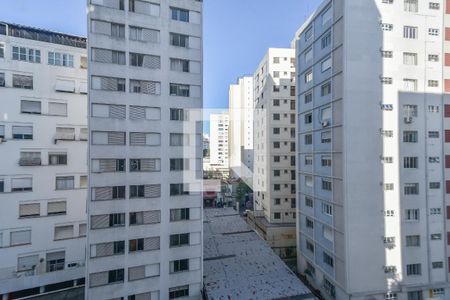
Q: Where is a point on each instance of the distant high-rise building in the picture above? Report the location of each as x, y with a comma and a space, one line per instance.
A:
219, 125
43, 170
240, 132
145, 205
372, 214
274, 150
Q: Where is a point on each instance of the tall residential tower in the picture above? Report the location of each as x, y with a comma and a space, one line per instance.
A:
144, 206
372, 218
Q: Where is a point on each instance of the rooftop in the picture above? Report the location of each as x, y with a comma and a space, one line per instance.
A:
238, 264
42, 35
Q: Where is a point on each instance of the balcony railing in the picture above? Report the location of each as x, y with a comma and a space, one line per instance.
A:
12, 273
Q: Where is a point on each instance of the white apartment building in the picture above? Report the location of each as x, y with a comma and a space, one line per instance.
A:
218, 150
240, 136
274, 149
371, 214
145, 152
43, 169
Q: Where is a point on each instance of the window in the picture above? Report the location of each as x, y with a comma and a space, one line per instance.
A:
177, 240
145, 191
415, 295
386, 80
410, 32
179, 292
144, 244
433, 159
412, 215
411, 5
410, 58
108, 138
145, 60
411, 189
326, 185
325, 137
433, 134
2, 50
309, 223
327, 209
57, 109
179, 164
308, 76
413, 241
181, 90
24, 54
144, 7
144, 34
179, 214
327, 16
325, 89
178, 114
60, 59
2, 79
145, 217
108, 84
410, 136
328, 259
435, 211
433, 57
145, 87
179, 14
23, 81
435, 185
410, 162
308, 160
22, 237
22, 132
434, 5
309, 201
55, 261
410, 85
30, 107
387, 54
28, 210
177, 189
108, 56
65, 183
179, 40
180, 65
387, 27
308, 34
308, 55
277, 216
325, 160
326, 40
433, 31
308, 98
145, 165
433, 83
276, 117
326, 64
413, 269
56, 208
308, 139
308, 118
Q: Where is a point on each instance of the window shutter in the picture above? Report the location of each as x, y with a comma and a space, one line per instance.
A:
150, 87
20, 183
150, 35
152, 191
153, 113
82, 230
83, 88
57, 109
22, 130
194, 17
154, 9
152, 243
137, 112
152, 62
98, 279
56, 207
65, 133
26, 263
143, 296
137, 139
194, 42
32, 209
67, 86
150, 165
135, 273
116, 138
20, 237
63, 232
101, 27
100, 221
101, 55
151, 217
56, 255
2, 130
117, 111
447, 136
33, 107
102, 193
107, 165
104, 249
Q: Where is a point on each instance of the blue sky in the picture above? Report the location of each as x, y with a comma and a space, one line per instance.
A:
237, 33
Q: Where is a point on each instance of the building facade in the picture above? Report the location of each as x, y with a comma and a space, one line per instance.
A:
240, 140
218, 152
371, 217
145, 152
274, 150
43, 173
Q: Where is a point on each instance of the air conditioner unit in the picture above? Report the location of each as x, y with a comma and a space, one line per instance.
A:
73, 265
408, 120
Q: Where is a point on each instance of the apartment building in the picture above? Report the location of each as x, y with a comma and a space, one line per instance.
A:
371, 220
145, 152
43, 169
274, 150
240, 137
218, 152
